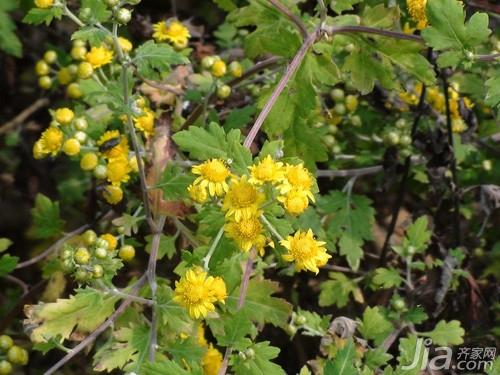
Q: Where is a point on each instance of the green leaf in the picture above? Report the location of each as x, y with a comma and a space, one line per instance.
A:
236, 327
343, 364
5, 243
417, 235
387, 278
493, 95
407, 351
337, 290
37, 16
46, 220
188, 349
91, 34
260, 363
376, 358
171, 315
9, 42
415, 315
374, 325
227, 5
174, 182
239, 117
446, 333
340, 6
380, 16
7, 264
260, 305
152, 58
212, 142
166, 247
98, 10
315, 324
164, 368
48, 320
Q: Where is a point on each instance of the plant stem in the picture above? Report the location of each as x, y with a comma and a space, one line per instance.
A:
206, 259
332, 30
292, 17
271, 228
73, 17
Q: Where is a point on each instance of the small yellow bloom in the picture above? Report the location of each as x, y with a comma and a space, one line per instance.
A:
266, 170
145, 122
134, 165
44, 3
219, 289
172, 30
118, 171
219, 68
458, 125
125, 44
89, 161
38, 150
64, 115
113, 145
213, 175
99, 56
202, 341
247, 233
416, 8
113, 194
111, 240
71, 147
212, 361
295, 201
197, 193
242, 200
52, 140
197, 293
297, 177
305, 251
64, 76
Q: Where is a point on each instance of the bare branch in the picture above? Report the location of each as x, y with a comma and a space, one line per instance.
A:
292, 17
25, 114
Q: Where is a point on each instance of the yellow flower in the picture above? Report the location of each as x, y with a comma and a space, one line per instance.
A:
44, 3
52, 140
246, 233
172, 31
197, 193
64, 115
196, 292
99, 56
202, 341
38, 150
71, 147
89, 161
125, 44
458, 125
416, 8
213, 174
115, 145
267, 170
113, 194
219, 68
145, 122
295, 201
298, 177
111, 240
305, 251
212, 361
64, 76
118, 171
219, 289
242, 200
133, 163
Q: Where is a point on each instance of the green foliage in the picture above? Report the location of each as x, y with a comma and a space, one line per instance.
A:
260, 362
416, 239
343, 362
46, 220
9, 42
7, 264
152, 58
340, 6
374, 325
166, 247
387, 278
91, 34
37, 16
337, 290
446, 333
174, 182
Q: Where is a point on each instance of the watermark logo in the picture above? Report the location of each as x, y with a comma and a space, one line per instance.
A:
465, 359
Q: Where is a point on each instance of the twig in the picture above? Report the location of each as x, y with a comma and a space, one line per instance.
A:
17, 281
292, 68
90, 338
292, 17
26, 113
53, 247
161, 86
206, 259
350, 172
487, 58
332, 30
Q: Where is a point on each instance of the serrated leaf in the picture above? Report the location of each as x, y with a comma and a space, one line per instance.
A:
152, 58
91, 34
98, 10
37, 16
5, 243
166, 247
376, 358
174, 182
374, 325
227, 5
9, 42
418, 235
415, 315
387, 278
260, 363
446, 333
236, 328
7, 264
164, 368
407, 353
239, 117
340, 6
62, 317
343, 364
46, 219
493, 95
337, 290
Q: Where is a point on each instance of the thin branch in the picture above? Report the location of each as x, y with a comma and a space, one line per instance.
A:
206, 259
25, 114
53, 247
349, 172
332, 30
161, 86
90, 338
292, 68
292, 17
17, 281
487, 58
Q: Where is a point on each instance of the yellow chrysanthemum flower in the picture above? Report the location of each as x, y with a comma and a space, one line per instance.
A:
38, 150
305, 251
298, 177
125, 44
64, 115
295, 201
202, 341
44, 3
197, 193
99, 56
213, 175
197, 293
416, 8
118, 171
247, 233
267, 170
219, 289
71, 147
172, 31
242, 200
212, 361
145, 122
113, 148
113, 194
111, 240
89, 161
51, 140
458, 125
219, 68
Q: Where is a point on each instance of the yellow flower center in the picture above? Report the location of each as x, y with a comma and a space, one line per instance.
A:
249, 229
243, 195
298, 176
303, 248
214, 171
